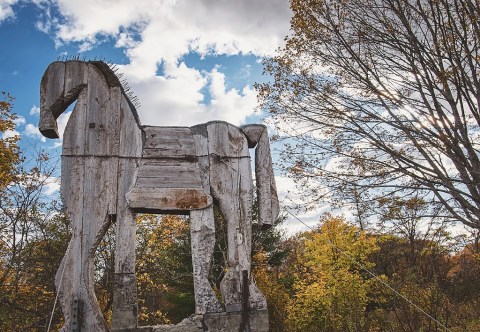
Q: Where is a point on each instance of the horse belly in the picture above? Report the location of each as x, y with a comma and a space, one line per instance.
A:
168, 178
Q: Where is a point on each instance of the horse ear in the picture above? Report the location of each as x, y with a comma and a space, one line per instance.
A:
52, 89
268, 205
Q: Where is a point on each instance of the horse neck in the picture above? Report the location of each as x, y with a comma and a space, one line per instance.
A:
103, 120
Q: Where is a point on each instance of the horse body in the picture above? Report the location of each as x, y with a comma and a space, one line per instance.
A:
112, 167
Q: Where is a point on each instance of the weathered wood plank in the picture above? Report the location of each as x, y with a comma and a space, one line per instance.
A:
112, 120
67, 278
124, 313
76, 78
226, 140
166, 162
202, 231
131, 136
173, 199
95, 222
230, 180
125, 242
74, 135
151, 170
51, 98
168, 153
168, 182
157, 133
98, 100
253, 132
168, 141
268, 205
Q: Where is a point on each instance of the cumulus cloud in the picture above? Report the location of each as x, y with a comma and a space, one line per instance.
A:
51, 186
19, 120
32, 131
6, 10
10, 133
35, 110
291, 199
170, 28
176, 98
157, 34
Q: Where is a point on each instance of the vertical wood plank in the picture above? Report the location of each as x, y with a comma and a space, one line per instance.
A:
125, 306
75, 130
98, 100
268, 205
67, 278
76, 77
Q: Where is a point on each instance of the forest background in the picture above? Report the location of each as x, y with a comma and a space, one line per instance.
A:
376, 109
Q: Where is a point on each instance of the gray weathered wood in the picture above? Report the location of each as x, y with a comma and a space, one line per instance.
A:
51, 98
125, 308
268, 206
112, 167
168, 199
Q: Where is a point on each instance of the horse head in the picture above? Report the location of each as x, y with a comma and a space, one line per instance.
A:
61, 85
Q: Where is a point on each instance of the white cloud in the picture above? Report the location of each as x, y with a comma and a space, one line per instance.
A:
159, 33
176, 98
19, 120
62, 122
6, 10
10, 133
51, 186
33, 132
170, 28
35, 110
291, 199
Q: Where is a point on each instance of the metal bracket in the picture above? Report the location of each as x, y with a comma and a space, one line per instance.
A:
245, 324
76, 315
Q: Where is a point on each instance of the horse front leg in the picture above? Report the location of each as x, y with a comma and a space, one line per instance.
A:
83, 191
231, 183
202, 230
125, 306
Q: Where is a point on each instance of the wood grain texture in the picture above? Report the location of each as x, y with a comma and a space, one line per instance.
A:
112, 167
51, 98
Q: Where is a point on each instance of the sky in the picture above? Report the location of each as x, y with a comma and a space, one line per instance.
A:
188, 62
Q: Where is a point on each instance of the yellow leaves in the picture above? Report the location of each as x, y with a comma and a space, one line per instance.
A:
9, 153
331, 290
163, 269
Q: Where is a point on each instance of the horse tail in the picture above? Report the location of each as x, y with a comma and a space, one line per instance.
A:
268, 205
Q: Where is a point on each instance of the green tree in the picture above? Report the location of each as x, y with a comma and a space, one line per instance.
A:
382, 96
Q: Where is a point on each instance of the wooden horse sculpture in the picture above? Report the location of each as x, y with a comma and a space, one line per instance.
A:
112, 168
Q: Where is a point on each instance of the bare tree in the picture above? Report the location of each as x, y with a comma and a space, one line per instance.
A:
33, 238
382, 96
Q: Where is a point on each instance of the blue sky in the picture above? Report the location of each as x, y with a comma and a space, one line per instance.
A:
188, 61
